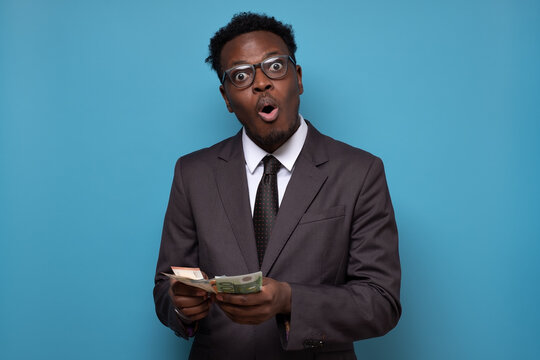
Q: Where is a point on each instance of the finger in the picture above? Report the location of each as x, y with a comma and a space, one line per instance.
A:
264, 296
244, 299
188, 301
199, 316
178, 288
195, 316
196, 310
182, 289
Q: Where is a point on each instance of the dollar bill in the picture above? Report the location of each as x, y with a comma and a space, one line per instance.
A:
240, 284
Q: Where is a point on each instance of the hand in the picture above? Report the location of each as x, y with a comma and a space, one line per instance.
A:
274, 298
192, 302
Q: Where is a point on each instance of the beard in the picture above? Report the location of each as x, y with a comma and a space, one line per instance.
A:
275, 138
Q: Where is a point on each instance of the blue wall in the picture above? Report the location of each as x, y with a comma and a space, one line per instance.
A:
99, 98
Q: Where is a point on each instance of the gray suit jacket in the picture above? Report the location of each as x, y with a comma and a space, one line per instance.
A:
334, 241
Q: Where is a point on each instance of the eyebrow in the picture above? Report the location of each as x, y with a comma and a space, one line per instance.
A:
266, 56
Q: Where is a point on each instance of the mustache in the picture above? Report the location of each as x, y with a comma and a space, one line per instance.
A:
266, 100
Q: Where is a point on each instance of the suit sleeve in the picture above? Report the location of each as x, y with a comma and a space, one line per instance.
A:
367, 304
178, 248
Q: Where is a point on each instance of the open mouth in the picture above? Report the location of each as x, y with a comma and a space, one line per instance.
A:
267, 109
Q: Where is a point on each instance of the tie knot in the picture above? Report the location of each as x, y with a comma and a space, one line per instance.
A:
271, 165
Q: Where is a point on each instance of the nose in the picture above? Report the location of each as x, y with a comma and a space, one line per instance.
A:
261, 82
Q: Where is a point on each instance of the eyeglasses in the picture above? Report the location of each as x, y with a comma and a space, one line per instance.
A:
274, 67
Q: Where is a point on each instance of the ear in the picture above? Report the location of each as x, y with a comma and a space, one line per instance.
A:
225, 97
299, 79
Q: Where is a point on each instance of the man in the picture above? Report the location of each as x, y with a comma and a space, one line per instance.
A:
315, 217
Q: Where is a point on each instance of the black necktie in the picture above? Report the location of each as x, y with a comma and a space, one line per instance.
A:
266, 204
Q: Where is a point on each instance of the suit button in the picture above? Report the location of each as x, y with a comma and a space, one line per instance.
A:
313, 343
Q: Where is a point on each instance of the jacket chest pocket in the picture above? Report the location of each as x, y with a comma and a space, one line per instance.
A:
317, 246
326, 214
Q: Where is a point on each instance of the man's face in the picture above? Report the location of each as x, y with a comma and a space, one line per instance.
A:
268, 108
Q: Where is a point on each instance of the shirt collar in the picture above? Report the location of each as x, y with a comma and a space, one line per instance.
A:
286, 153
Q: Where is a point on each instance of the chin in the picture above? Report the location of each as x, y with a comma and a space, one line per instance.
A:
273, 139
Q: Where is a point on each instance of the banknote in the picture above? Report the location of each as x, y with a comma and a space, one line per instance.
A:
191, 273
202, 283
239, 284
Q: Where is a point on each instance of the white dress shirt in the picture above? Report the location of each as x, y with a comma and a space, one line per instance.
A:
286, 154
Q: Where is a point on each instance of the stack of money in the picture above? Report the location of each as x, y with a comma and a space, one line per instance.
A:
240, 284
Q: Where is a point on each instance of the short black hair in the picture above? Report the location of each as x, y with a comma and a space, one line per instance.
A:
246, 22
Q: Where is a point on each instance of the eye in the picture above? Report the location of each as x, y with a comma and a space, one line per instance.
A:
240, 76
276, 66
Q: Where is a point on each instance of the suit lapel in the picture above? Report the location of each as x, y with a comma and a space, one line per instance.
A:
303, 186
233, 190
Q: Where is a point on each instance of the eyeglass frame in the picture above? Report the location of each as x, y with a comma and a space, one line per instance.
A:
226, 73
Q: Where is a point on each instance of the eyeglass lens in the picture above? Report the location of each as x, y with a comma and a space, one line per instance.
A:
274, 68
